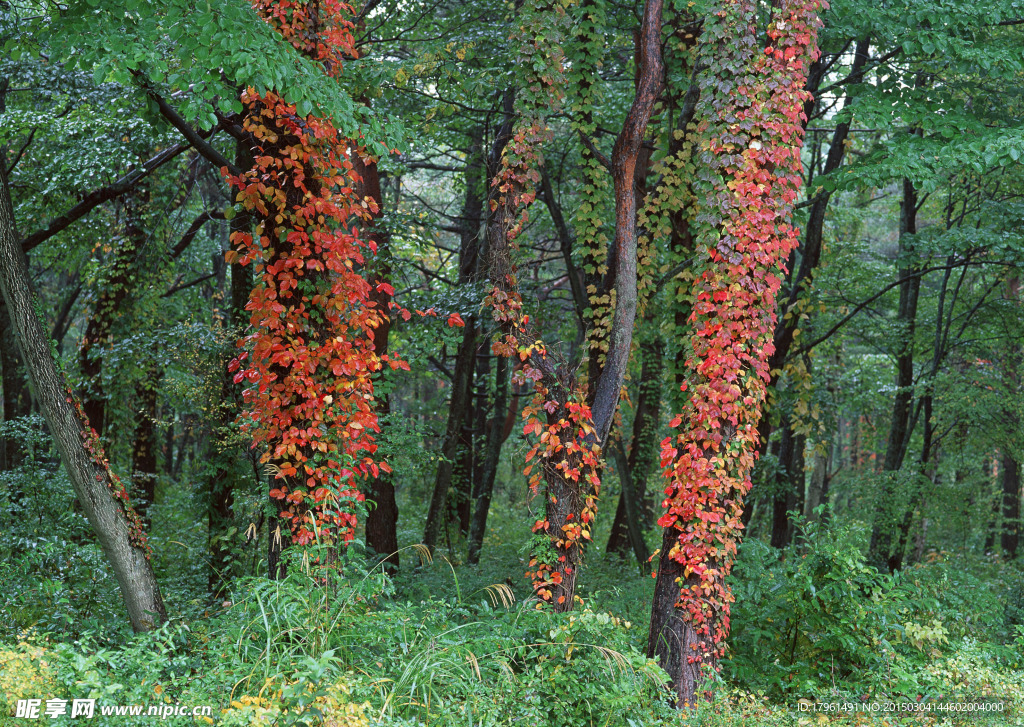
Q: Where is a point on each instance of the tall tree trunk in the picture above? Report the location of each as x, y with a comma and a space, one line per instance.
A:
464, 361
495, 438
17, 399
221, 485
461, 403
791, 485
881, 550
113, 290
144, 448
1010, 533
732, 321
643, 454
817, 487
382, 518
116, 525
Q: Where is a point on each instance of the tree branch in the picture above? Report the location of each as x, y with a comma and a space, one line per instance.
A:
193, 230
99, 196
195, 138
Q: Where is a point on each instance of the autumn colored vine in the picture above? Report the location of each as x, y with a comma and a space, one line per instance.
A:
94, 447
309, 357
747, 146
557, 420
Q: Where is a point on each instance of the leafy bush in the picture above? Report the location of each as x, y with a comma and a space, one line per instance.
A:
818, 619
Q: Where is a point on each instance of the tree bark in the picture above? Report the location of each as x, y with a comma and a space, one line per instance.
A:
382, 518
119, 533
457, 407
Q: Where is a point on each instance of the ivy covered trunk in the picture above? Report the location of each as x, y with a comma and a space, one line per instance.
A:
309, 359
746, 146
102, 496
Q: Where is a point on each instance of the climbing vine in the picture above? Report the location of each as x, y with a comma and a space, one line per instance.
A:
557, 420
309, 358
747, 145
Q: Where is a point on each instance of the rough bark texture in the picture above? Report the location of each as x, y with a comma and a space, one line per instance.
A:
89, 476
671, 637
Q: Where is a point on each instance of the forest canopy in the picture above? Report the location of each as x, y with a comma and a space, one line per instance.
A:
565, 362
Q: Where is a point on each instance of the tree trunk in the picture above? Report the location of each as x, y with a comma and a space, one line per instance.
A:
221, 485
114, 289
382, 518
880, 551
464, 362
115, 523
495, 438
144, 447
642, 455
1010, 532
817, 487
732, 321
461, 403
17, 399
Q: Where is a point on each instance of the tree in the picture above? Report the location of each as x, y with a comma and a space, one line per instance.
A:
747, 143
102, 495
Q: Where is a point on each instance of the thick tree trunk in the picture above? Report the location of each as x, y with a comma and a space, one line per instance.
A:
672, 637
120, 536
711, 456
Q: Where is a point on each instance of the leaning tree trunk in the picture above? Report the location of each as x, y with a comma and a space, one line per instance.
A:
101, 494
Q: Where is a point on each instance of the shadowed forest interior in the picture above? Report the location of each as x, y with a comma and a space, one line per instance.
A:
556, 362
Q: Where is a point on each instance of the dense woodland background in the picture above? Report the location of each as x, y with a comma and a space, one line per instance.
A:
878, 559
